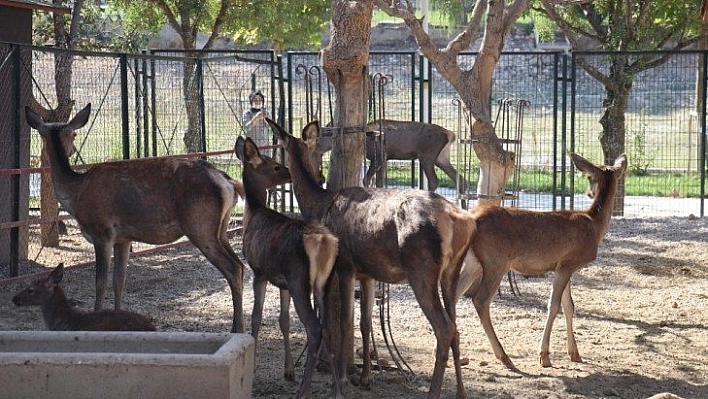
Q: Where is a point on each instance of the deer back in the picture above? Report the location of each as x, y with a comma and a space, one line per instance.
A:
378, 225
410, 140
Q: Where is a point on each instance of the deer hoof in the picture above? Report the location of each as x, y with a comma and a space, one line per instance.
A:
365, 381
508, 363
289, 374
545, 359
575, 357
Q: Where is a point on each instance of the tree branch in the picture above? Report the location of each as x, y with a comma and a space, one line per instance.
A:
218, 23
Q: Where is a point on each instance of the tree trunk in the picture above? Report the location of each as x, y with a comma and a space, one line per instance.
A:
612, 137
63, 70
345, 62
190, 88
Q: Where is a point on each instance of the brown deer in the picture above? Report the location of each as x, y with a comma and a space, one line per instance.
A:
405, 140
59, 316
535, 243
150, 200
295, 256
392, 236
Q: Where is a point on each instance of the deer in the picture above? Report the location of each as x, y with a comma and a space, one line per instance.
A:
150, 200
295, 256
390, 235
535, 243
405, 140
46, 293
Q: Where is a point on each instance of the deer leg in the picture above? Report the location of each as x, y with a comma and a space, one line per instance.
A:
346, 292
259, 289
103, 257
219, 252
429, 170
444, 328
121, 253
482, 297
569, 311
370, 172
320, 293
284, 322
368, 293
313, 328
448, 284
443, 162
560, 282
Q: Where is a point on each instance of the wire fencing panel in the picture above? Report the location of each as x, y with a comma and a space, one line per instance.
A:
140, 109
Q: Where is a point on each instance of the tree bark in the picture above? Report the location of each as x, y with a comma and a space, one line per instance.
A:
63, 72
345, 62
612, 137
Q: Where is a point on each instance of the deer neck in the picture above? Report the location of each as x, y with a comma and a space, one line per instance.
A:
56, 311
601, 209
256, 197
64, 178
312, 199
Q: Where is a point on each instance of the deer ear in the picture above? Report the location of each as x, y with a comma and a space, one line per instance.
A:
311, 131
279, 131
251, 153
582, 164
238, 147
621, 163
80, 119
34, 120
56, 275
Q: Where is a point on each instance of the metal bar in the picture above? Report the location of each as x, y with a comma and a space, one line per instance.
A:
125, 117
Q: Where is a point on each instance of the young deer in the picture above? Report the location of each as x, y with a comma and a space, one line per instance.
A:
392, 236
534, 243
295, 256
59, 316
151, 200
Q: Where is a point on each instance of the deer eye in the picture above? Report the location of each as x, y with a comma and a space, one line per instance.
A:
30, 291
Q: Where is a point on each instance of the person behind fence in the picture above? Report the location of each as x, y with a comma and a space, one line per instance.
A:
254, 123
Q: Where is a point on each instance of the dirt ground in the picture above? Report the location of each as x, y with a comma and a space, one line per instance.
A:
641, 321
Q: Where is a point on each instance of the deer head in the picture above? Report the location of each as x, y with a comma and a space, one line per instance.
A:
40, 290
63, 134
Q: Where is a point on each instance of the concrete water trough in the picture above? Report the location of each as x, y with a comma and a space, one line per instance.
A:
62, 364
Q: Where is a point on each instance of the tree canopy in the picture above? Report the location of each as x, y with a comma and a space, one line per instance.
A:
290, 24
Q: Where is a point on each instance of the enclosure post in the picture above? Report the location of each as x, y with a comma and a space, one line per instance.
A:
702, 114
15, 231
564, 128
124, 105
554, 163
202, 119
153, 107
139, 151
145, 111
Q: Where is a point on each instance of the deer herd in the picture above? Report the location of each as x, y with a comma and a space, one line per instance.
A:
371, 234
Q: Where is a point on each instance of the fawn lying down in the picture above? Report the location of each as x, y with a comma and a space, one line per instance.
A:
59, 316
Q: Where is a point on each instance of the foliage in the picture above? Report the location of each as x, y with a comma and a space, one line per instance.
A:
623, 25
291, 24
101, 29
641, 157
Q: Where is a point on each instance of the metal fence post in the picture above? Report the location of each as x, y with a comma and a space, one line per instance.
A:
125, 117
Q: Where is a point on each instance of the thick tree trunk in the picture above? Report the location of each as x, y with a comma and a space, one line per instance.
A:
63, 70
345, 61
613, 134
190, 88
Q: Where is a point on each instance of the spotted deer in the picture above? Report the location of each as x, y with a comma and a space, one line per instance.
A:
150, 200
46, 293
535, 243
295, 256
389, 235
